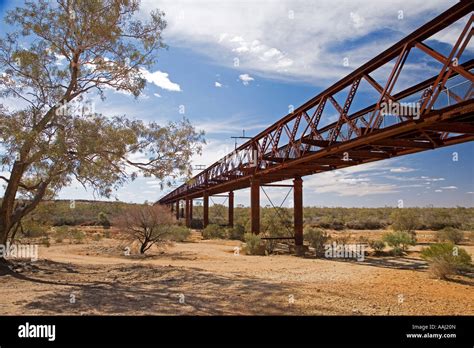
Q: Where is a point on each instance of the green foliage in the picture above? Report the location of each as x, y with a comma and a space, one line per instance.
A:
439, 218
45, 241
56, 65
450, 234
237, 232
253, 244
404, 220
34, 229
331, 222
317, 238
76, 236
377, 245
446, 259
179, 233
338, 218
275, 222
77, 213
213, 231
72, 234
399, 241
103, 219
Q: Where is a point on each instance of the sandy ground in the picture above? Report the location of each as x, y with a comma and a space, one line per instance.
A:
208, 278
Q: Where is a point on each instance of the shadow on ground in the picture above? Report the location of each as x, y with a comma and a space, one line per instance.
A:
145, 290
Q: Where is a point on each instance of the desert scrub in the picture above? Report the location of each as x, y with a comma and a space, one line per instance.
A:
237, 232
253, 244
179, 233
60, 233
33, 229
403, 219
377, 246
399, 241
317, 238
446, 259
450, 234
76, 236
213, 231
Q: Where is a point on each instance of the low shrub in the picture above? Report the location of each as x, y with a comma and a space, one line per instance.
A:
76, 236
399, 241
446, 259
405, 220
377, 245
330, 222
365, 224
103, 220
45, 241
317, 238
179, 233
96, 237
214, 232
342, 239
253, 244
34, 229
450, 234
237, 232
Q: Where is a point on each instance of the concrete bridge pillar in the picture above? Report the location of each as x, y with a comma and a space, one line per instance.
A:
177, 210
255, 205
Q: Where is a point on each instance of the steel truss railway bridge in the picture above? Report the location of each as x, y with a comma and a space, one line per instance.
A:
430, 114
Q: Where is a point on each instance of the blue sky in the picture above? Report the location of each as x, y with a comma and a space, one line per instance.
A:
287, 52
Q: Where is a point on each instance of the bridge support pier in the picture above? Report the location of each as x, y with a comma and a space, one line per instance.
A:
298, 213
231, 209
205, 209
189, 212
255, 205
177, 210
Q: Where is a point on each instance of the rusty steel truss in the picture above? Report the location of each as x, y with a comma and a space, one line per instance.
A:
437, 115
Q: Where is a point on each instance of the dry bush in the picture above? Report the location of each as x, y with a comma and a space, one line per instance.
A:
317, 238
446, 259
147, 224
441, 268
377, 246
449, 234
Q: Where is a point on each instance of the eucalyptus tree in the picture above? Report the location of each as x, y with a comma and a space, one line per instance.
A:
58, 56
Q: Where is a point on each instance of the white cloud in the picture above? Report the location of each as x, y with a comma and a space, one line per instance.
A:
438, 190
157, 95
427, 178
357, 20
229, 125
246, 78
449, 188
402, 170
160, 79
217, 84
309, 45
352, 181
